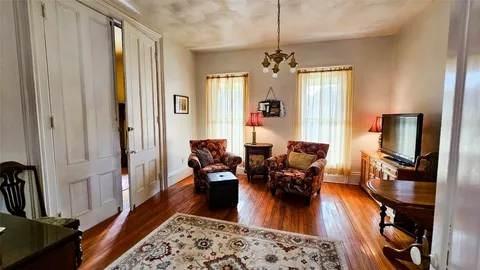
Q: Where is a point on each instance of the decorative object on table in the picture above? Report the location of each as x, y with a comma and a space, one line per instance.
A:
254, 120
255, 156
181, 104
222, 190
12, 188
223, 161
414, 200
302, 182
377, 128
271, 107
278, 56
192, 242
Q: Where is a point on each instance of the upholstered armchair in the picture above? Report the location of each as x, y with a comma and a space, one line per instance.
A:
303, 182
222, 160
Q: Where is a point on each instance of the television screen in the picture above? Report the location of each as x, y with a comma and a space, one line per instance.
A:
401, 136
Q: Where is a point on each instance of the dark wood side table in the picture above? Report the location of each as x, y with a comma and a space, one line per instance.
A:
255, 155
29, 244
416, 200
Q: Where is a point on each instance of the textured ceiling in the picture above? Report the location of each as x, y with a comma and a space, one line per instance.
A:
222, 24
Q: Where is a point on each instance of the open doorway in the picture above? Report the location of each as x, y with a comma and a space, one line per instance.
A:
122, 121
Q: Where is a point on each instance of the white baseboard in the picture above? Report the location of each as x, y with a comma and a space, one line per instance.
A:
353, 179
177, 175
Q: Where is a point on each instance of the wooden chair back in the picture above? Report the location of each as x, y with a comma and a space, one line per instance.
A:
12, 187
427, 165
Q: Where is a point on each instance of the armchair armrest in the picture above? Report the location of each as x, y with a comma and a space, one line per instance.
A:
276, 162
194, 162
316, 167
231, 160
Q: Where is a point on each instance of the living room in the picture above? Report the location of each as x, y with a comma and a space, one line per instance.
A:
239, 134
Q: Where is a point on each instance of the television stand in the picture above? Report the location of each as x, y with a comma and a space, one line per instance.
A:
397, 161
381, 166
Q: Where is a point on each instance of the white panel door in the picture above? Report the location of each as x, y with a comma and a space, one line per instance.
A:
142, 115
87, 151
456, 231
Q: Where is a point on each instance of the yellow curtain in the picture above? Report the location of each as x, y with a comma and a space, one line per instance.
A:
325, 113
226, 99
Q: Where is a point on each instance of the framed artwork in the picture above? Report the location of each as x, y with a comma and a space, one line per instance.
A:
180, 104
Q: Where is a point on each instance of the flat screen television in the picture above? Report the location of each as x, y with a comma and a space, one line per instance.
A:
402, 136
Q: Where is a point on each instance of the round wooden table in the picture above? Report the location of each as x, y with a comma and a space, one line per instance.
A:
411, 198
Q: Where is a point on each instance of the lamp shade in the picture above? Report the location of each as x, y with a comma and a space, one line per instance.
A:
377, 125
255, 120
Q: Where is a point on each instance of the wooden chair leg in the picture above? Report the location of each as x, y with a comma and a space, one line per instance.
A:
383, 213
308, 199
273, 190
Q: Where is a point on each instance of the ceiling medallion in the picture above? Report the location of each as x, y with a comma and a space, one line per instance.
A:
278, 56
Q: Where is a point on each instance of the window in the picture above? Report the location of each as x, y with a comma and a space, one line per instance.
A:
226, 95
325, 113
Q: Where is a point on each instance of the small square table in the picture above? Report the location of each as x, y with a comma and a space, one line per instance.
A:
222, 189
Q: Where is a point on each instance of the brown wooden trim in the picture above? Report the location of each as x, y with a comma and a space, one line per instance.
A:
324, 69
215, 76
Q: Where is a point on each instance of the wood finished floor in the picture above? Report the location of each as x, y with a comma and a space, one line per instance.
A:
341, 212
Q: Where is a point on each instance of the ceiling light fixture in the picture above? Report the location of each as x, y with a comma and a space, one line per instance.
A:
278, 56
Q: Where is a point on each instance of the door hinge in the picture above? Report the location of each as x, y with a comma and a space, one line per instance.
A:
44, 13
52, 122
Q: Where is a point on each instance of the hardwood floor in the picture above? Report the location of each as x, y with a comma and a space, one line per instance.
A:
341, 212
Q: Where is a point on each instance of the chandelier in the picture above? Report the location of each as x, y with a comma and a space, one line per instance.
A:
278, 56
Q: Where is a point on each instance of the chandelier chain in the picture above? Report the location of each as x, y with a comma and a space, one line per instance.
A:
278, 25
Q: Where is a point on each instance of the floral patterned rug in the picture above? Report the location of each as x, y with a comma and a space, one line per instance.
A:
192, 242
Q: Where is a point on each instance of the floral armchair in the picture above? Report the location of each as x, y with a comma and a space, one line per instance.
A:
222, 160
303, 182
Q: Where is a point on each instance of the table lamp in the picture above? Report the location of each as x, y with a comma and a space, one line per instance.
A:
254, 120
377, 128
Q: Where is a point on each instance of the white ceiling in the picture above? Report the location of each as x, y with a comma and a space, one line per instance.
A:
223, 24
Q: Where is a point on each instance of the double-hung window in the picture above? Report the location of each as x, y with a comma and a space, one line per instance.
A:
225, 102
325, 113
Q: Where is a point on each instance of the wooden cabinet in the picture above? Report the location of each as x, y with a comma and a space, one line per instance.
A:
255, 155
374, 165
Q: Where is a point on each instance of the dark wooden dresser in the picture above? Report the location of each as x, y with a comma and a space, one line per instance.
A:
29, 244
255, 155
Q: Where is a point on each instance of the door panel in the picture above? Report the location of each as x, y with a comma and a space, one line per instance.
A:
142, 114
87, 151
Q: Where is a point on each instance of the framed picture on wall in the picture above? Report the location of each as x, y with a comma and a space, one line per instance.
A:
180, 104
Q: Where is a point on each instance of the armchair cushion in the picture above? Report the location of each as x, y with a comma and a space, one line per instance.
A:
204, 156
216, 167
300, 161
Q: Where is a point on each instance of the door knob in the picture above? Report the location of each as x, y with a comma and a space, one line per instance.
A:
130, 129
416, 255
133, 152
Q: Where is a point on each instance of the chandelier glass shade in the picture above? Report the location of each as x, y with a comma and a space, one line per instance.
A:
278, 56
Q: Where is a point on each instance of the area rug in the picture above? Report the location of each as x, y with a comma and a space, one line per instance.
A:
192, 242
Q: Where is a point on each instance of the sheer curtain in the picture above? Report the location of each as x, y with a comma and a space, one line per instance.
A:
226, 96
325, 113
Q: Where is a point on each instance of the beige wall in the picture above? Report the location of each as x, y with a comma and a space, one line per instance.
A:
179, 79
372, 60
420, 55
